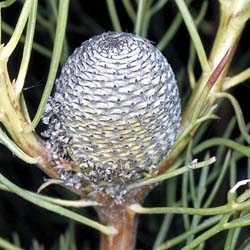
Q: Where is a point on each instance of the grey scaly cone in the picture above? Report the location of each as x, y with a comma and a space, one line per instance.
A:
115, 112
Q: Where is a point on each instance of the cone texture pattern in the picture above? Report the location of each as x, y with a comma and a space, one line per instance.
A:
115, 112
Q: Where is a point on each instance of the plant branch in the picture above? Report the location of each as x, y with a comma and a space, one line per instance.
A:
125, 223
14, 121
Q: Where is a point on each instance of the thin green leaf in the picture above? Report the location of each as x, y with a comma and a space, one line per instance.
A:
36, 245
24, 108
238, 112
193, 165
245, 244
240, 222
130, 10
220, 152
176, 240
169, 34
55, 208
62, 245
232, 237
167, 221
233, 171
11, 45
113, 15
36, 46
139, 17
219, 180
221, 141
6, 3
190, 66
16, 239
71, 234
191, 57
57, 201
185, 189
166, 225
193, 33
199, 192
137, 208
149, 14
27, 49
5, 140
236, 80
70, 203
208, 234
57, 50
6, 245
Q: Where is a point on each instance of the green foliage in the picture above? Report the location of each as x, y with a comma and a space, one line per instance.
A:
200, 204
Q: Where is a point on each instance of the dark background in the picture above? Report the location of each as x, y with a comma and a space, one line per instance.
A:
28, 221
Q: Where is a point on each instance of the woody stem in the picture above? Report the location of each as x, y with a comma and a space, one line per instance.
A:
126, 224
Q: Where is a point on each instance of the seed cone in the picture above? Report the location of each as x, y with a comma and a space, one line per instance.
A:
115, 112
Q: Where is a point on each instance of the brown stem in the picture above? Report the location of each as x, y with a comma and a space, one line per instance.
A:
14, 121
126, 224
